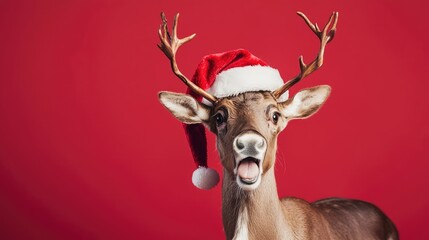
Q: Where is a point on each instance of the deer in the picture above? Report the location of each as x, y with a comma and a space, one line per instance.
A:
246, 126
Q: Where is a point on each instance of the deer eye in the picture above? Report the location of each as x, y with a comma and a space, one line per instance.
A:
220, 118
275, 117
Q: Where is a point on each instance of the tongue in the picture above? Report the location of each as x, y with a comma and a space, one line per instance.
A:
248, 170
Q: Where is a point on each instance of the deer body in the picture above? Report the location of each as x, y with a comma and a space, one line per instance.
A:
260, 214
292, 218
247, 126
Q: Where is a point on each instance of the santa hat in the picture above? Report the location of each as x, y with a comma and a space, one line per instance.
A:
222, 75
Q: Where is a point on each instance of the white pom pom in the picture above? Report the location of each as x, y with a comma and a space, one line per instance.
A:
205, 178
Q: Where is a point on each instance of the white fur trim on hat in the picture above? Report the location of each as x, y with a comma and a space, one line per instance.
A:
205, 178
238, 80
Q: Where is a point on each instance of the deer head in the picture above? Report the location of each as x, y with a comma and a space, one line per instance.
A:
247, 124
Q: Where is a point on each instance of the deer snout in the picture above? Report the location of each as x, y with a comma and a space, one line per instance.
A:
249, 151
249, 144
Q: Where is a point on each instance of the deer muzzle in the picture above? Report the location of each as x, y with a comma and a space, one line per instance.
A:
249, 151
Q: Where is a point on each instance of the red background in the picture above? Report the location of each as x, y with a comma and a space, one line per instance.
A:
87, 152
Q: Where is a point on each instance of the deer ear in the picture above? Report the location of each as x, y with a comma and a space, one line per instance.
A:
184, 107
306, 102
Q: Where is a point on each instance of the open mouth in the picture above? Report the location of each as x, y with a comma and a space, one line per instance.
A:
248, 170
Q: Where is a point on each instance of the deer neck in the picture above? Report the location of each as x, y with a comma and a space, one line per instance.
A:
253, 214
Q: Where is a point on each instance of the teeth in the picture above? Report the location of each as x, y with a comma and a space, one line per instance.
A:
249, 181
257, 161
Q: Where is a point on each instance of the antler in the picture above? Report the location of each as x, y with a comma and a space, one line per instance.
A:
325, 37
169, 46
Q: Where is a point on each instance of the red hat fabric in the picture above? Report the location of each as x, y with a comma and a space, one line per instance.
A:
222, 75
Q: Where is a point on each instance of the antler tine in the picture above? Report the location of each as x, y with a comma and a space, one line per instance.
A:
169, 45
325, 37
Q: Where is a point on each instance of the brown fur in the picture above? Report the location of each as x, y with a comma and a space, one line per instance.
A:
268, 216
325, 219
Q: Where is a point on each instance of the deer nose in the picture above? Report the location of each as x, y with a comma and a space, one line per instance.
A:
250, 144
